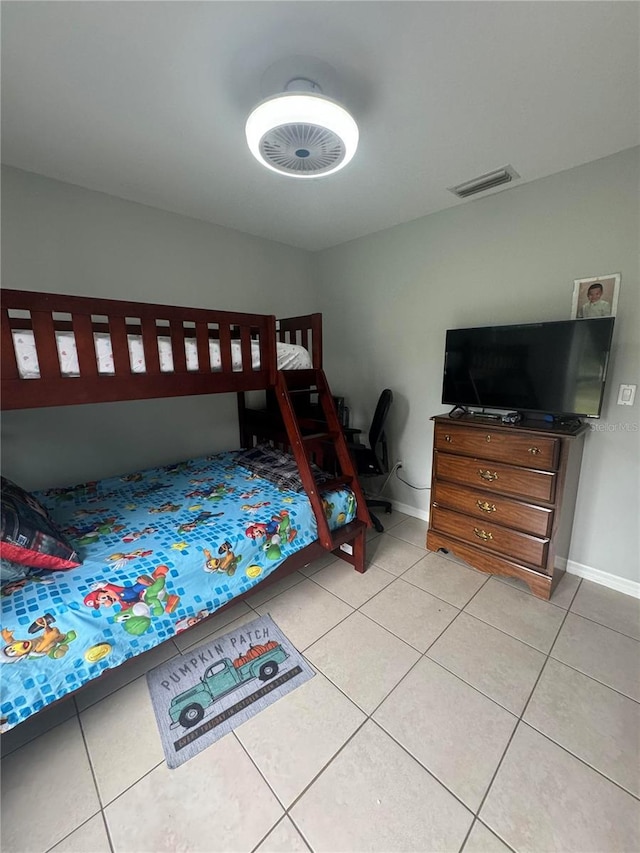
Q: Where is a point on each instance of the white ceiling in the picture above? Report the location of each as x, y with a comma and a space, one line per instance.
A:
147, 101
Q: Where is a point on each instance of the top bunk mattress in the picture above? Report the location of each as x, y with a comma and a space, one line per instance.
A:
290, 356
161, 549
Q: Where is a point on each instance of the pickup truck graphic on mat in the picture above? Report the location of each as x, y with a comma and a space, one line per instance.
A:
222, 677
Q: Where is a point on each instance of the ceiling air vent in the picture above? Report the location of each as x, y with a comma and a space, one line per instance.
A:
485, 182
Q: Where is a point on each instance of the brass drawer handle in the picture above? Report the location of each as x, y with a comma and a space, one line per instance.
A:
482, 534
487, 475
447, 438
485, 506
534, 450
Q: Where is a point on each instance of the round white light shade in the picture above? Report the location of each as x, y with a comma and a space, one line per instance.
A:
295, 108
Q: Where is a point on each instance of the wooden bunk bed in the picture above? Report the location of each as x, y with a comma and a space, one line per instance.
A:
187, 351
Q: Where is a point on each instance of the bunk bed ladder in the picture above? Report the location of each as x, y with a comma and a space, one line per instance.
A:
302, 445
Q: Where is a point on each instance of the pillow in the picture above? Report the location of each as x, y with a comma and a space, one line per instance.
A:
277, 467
28, 536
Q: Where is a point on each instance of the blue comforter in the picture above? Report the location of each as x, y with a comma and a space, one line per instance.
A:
162, 549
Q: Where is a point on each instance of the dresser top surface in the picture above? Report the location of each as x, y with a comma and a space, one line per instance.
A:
525, 426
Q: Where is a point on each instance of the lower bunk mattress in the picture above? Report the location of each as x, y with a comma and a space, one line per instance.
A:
162, 549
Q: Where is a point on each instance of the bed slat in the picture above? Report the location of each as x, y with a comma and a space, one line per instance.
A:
178, 346
202, 340
225, 348
45, 340
150, 346
9, 363
85, 345
316, 340
120, 346
245, 347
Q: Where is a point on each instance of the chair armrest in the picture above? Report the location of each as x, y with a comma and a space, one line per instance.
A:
350, 433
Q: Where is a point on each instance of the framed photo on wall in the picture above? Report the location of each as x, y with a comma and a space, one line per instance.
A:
595, 297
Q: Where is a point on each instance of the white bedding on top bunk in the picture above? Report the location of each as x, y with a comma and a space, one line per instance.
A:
290, 356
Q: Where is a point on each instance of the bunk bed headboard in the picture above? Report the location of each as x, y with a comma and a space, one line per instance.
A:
41, 317
305, 331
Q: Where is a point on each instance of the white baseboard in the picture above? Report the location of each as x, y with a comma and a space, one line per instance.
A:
411, 510
625, 585
628, 587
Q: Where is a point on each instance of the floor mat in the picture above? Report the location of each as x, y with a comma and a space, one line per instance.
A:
207, 691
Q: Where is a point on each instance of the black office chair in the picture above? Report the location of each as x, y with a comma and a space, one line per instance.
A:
368, 462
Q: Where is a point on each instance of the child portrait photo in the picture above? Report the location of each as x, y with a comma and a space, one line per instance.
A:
595, 297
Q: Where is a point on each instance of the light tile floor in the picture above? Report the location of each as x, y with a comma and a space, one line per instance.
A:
451, 711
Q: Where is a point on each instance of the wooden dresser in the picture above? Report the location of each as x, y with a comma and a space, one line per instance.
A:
503, 497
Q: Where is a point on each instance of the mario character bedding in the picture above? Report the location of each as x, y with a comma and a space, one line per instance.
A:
161, 549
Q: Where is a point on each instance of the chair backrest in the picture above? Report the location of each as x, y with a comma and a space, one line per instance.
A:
376, 431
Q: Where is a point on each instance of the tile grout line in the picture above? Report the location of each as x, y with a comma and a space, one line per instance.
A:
422, 766
76, 828
284, 817
421, 655
472, 686
476, 820
597, 680
602, 625
595, 621
349, 699
368, 718
393, 634
107, 831
286, 812
326, 765
401, 746
551, 740
301, 833
520, 721
356, 607
506, 633
133, 784
303, 578
581, 760
573, 598
94, 777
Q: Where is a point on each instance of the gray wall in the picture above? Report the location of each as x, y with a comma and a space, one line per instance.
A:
387, 300
64, 239
508, 258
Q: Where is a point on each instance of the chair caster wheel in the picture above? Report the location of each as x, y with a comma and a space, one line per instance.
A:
388, 511
378, 527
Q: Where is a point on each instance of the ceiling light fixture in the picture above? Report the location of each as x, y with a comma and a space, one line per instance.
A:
302, 133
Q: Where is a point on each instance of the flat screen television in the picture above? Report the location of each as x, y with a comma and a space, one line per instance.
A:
556, 368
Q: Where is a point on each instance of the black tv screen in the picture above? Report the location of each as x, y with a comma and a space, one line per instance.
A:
554, 368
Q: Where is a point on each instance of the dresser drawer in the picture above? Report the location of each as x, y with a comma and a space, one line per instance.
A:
493, 477
489, 536
531, 451
495, 509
